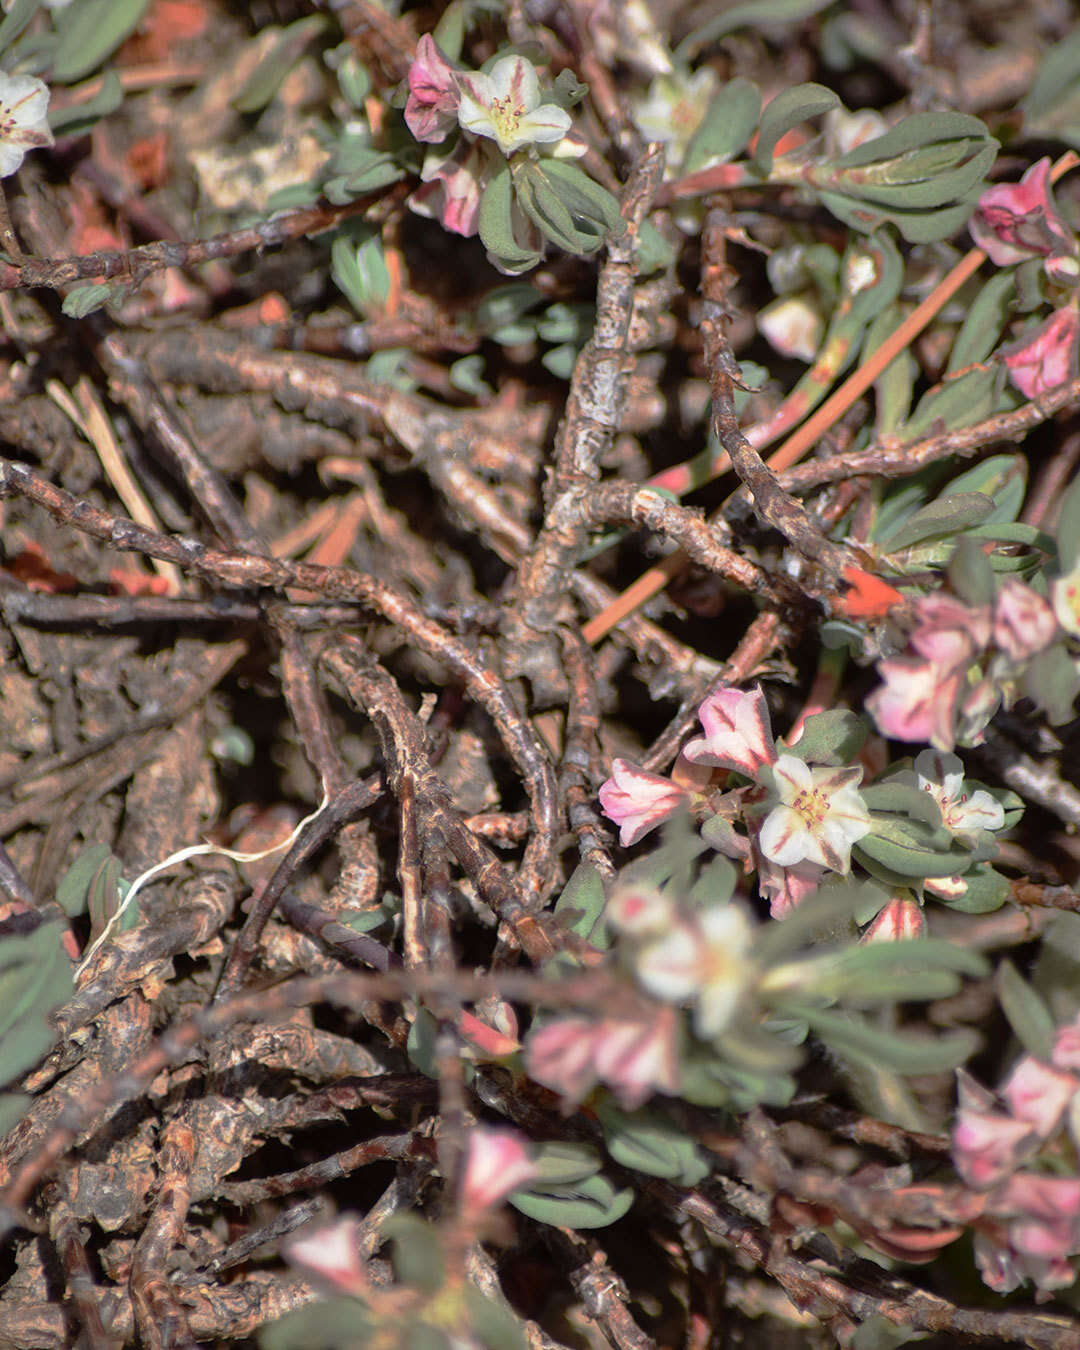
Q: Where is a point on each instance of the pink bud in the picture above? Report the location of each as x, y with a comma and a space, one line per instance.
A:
1046, 356
1024, 622
332, 1254
986, 1148
431, 110
738, 734
639, 910
900, 920
1066, 1053
1015, 221
1038, 1094
638, 801
948, 632
497, 1163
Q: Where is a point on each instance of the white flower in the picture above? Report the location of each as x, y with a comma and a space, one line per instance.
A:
24, 101
703, 959
942, 775
821, 814
505, 106
674, 109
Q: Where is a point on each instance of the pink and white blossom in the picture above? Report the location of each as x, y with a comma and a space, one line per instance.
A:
24, 102
498, 1162
738, 734
1024, 621
948, 632
634, 1058
820, 816
639, 911
1016, 221
638, 801
1046, 356
702, 959
451, 187
786, 888
916, 702
506, 107
1039, 1095
1065, 596
963, 814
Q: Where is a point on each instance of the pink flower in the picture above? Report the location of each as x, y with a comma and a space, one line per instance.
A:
639, 911
332, 1254
1046, 356
432, 107
738, 734
987, 1148
497, 1163
786, 888
1015, 221
1039, 1095
452, 187
917, 702
948, 632
963, 814
1024, 621
638, 801
1066, 1052
900, 919
634, 1058
703, 958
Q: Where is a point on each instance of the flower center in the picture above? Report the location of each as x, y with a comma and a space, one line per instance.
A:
507, 115
813, 805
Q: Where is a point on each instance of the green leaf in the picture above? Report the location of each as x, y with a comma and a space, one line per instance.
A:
970, 574
35, 979
984, 322
581, 903
467, 374
13, 1106
904, 799
1028, 1014
80, 117
786, 111
418, 1253
941, 518
496, 227
591, 206
74, 885
987, 890
917, 227
285, 50
652, 252
728, 124
592, 1203
87, 298
494, 1325
1052, 107
832, 737
650, 1142
333, 1324
505, 305
358, 266
16, 19
1052, 681
562, 1163
1003, 477
885, 972
715, 884
905, 849
374, 169
91, 31
1068, 529
752, 14
857, 1039
958, 402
